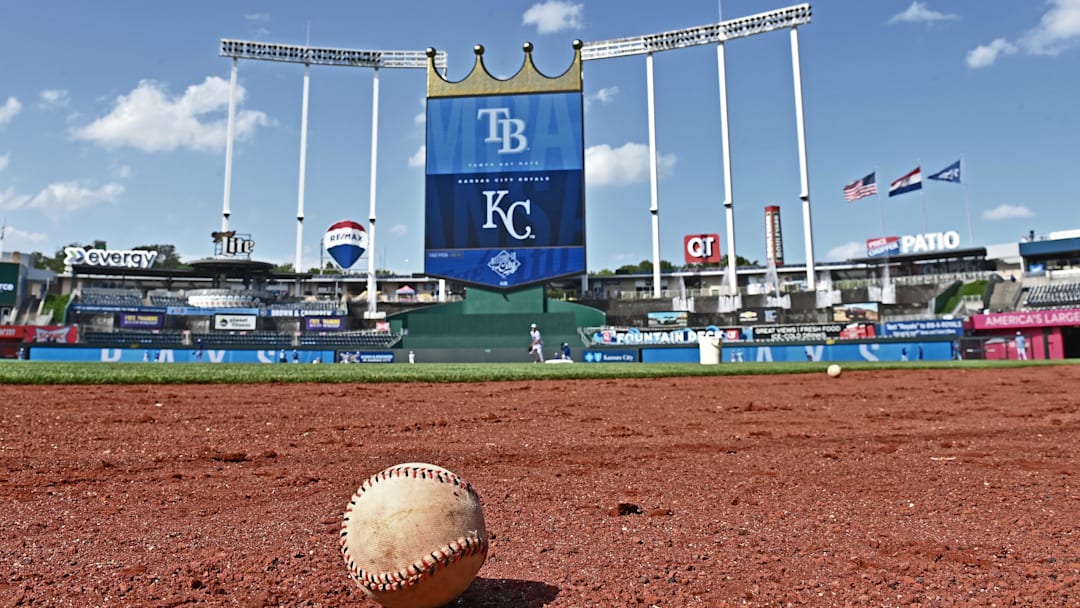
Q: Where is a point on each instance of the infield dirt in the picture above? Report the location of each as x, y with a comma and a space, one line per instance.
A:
890, 488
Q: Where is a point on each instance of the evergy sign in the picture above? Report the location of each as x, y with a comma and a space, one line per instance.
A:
113, 258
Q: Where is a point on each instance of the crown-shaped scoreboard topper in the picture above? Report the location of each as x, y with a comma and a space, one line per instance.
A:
528, 79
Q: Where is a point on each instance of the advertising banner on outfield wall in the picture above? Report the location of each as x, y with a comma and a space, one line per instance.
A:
1027, 318
505, 199
235, 322
922, 328
137, 320
43, 334
324, 323
798, 333
9, 284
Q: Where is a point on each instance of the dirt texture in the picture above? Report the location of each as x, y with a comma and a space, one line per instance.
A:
888, 488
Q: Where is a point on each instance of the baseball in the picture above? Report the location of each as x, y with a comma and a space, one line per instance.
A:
834, 370
413, 536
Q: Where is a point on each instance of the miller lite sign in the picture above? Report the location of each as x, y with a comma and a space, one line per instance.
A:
229, 244
702, 248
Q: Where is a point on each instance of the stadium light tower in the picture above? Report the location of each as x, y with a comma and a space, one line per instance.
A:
717, 33
307, 55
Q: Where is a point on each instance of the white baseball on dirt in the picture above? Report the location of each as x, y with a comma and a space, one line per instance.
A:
834, 370
413, 536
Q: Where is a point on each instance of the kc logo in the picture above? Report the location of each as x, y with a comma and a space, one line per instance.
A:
510, 132
494, 208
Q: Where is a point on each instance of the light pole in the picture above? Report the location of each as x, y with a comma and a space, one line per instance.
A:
717, 33
308, 56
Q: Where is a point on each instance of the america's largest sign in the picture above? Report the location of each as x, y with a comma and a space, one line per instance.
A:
505, 203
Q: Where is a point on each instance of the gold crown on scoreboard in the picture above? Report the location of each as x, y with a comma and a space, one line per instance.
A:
528, 79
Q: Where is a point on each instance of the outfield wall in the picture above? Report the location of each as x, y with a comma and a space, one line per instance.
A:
862, 350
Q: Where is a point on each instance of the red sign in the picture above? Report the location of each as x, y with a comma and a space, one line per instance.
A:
11, 332
774, 236
702, 248
52, 333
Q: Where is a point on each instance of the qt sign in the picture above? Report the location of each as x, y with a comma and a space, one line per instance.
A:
702, 248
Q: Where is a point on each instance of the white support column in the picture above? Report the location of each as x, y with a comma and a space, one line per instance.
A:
654, 191
230, 134
371, 286
803, 170
298, 264
725, 146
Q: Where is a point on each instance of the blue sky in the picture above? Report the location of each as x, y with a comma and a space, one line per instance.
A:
112, 121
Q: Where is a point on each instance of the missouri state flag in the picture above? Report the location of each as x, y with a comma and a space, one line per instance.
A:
911, 181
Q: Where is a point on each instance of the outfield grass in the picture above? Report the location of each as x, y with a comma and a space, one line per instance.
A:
43, 372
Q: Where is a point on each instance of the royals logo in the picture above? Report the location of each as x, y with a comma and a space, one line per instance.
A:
494, 200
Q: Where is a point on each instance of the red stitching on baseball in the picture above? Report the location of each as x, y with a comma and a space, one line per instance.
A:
466, 546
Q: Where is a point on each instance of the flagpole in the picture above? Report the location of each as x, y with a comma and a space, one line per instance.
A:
967, 202
922, 197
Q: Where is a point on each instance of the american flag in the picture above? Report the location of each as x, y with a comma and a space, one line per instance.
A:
860, 188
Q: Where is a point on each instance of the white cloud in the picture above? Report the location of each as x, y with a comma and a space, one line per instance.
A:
15, 239
258, 17
919, 13
55, 98
61, 199
123, 172
847, 251
5, 160
9, 200
985, 55
1058, 30
419, 157
421, 117
629, 163
399, 230
605, 95
1006, 212
150, 120
8, 111
554, 16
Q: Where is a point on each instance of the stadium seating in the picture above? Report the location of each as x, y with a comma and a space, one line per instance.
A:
1054, 295
133, 337
350, 339
221, 298
119, 298
257, 339
326, 306
168, 299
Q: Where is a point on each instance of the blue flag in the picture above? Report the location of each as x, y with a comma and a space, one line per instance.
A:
948, 174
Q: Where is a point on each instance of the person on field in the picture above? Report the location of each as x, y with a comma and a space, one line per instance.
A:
1021, 347
536, 345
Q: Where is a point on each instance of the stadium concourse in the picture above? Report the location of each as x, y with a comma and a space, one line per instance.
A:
938, 304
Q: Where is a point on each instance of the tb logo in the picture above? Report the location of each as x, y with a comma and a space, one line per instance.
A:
494, 208
509, 132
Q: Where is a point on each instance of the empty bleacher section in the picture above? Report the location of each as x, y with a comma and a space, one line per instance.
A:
221, 298
130, 338
119, 298
311, 306
350, 339
253, 339
167, 299
1053, 295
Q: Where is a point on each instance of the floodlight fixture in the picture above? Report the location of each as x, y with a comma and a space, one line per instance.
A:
716, 33
309, 56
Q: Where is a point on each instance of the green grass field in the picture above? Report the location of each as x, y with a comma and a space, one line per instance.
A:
41, 372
